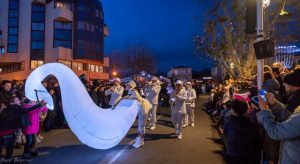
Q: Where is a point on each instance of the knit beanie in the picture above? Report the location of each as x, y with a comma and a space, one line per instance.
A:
293, 78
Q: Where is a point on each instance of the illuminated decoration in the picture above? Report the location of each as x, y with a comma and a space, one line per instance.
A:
96, 127
282, 11
286, 54
266, 3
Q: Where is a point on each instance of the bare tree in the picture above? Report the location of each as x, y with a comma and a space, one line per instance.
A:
225, 40
133, 59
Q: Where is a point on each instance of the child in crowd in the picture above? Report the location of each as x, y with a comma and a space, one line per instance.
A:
12, 117
243, 143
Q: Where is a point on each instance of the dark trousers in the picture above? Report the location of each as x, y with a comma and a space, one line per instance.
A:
30, 143
242, 160
8, 141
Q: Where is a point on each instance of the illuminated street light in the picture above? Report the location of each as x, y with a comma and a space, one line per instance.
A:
114, 73
266, 3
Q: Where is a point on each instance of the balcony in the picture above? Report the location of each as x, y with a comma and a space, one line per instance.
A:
62, 53
63, 13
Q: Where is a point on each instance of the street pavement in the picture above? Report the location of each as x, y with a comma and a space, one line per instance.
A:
200, 144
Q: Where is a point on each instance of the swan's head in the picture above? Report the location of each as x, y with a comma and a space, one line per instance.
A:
34, 87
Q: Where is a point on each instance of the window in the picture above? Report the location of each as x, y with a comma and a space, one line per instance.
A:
59, 4
74, 65
81, 25
36, 63
14, 4
100, 69
38, 8
13, 39
37, 35
37, 32
62, 34
59, 43
2, 50
38, 17
13, 26
80, 66
12, 49
65, 62
13, 30
38, 26
92, 68
13, 22
14, 13
63, 25
37, 45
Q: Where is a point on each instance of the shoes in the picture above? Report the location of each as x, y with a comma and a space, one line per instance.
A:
40, 137
152, 127
179, 137
38, 140
139, 142
192, 124
185, 125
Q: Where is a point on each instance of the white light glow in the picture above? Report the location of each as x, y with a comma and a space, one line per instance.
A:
266, 3
96, 127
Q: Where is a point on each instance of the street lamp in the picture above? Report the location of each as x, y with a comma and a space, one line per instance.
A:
114, 73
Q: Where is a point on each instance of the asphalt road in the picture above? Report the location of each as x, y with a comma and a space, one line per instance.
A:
200, 144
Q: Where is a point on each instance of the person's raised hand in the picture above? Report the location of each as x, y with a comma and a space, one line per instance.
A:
270, 98
262, 104
43, 102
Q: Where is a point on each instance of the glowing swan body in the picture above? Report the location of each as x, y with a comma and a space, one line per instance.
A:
96, 127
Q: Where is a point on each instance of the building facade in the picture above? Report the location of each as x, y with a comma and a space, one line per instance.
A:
180, 73
35, 32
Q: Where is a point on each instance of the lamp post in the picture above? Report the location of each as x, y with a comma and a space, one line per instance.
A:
260, 6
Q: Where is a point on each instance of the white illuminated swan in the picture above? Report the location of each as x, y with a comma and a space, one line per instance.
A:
96, 127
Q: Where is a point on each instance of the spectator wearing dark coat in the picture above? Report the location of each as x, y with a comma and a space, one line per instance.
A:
291, 84
271, 84
243, 143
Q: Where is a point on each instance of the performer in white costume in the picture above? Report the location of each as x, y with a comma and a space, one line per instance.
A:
151, 93
143, 112
178, 107
190, 105
115, 92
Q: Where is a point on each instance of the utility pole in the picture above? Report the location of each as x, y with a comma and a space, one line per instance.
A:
260, 37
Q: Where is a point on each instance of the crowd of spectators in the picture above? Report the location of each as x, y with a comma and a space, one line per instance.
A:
259, 125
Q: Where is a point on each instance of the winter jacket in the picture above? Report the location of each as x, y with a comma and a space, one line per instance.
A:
293, 101
15, 116
34, 118
242, 137
270, 146
273, 86
115, 95
288, 132
152, 94
178, 105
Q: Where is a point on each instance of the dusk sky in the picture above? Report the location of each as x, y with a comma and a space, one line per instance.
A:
165, 26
